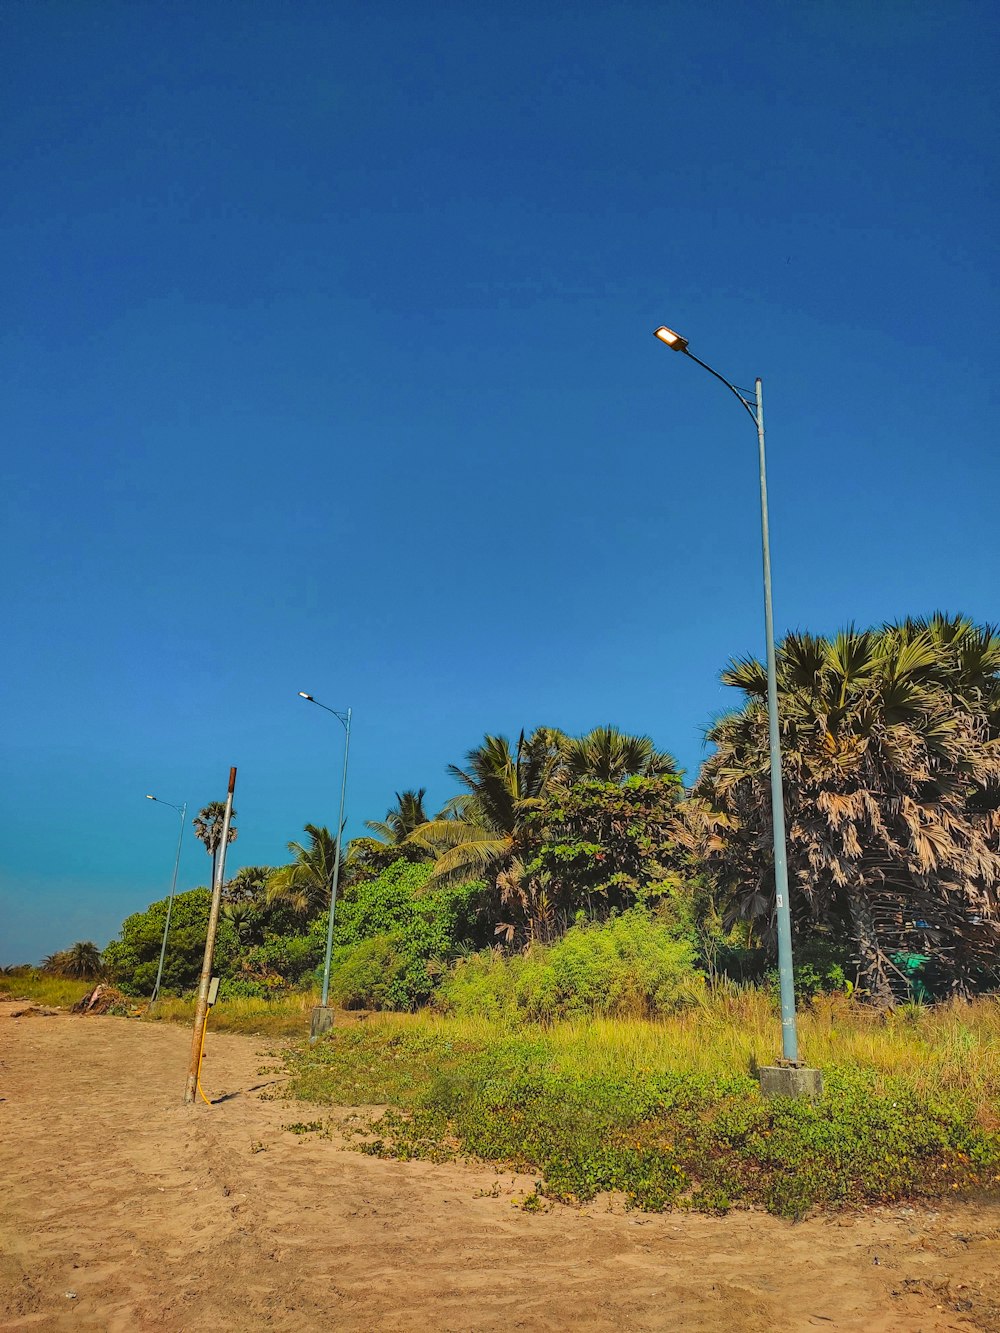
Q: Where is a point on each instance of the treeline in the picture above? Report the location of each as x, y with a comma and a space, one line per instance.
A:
574, 867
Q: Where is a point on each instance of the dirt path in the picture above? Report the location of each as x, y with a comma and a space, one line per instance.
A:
122, 1210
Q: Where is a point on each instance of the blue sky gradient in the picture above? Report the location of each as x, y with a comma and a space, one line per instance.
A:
328, 366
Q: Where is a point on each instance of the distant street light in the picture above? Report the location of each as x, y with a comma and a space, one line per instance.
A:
182, 811
789, 1035
322, 1017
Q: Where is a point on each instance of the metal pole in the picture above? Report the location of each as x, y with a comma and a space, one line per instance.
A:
201, 1008
170, 906
336, 864
789, 1036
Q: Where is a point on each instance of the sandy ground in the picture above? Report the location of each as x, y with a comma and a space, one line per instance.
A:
122, 1210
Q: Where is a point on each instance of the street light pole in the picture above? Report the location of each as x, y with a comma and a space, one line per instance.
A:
182, 811
322, 1015
789, 1035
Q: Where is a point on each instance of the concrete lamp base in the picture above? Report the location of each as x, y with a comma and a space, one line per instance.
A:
790, 1081
322, 1021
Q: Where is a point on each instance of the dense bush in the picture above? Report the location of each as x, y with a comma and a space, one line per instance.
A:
395, 939
283, 960
634, 964
131, 960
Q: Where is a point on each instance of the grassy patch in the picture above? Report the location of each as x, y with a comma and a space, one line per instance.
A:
287, 1016
57, 992
669, 1113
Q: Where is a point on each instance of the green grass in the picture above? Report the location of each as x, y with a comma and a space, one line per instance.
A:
669, 1113
56, 992
287, 1016
284, 1017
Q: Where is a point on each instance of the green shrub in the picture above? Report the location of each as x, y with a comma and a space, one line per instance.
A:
293, 959
131, 960
394, 938
633, 964
384, 972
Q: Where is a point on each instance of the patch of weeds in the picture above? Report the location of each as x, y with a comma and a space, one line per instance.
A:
658, 1138
304, 1127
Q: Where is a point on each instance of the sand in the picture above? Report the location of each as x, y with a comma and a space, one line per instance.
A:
120, 1209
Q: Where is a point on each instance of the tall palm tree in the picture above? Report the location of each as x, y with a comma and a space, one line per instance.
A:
400, 819
883, 753
208, 829
307, 884
474, 834
609, 755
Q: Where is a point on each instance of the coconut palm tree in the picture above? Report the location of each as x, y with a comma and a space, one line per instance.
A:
400, 819
474, 834
208, 829
307, 884
885, 739
609, 755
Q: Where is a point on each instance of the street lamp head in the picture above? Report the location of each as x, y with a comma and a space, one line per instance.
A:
671, 339
150, 798
303, 695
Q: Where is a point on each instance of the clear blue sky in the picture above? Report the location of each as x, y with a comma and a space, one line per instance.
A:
328, 365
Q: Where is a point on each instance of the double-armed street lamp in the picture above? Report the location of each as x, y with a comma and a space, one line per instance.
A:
788, 1077
322, 1016
182, 811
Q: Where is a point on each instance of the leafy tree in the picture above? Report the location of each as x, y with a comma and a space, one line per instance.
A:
595, 847
306, 885
892, 785
208, 823
396, 934
132, 959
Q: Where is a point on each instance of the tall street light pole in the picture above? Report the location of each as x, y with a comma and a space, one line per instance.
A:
182, 811
322, 1015
788, 1077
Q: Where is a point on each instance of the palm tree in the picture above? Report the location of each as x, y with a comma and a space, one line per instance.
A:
474, 834
887, 744
239, 913
81, 960
208, 829
307, 884
609, 755
248, 885
401, 819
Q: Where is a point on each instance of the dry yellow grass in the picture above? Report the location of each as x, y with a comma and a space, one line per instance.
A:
950, 1047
